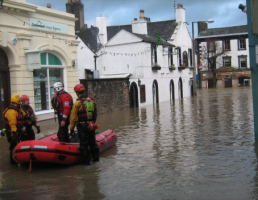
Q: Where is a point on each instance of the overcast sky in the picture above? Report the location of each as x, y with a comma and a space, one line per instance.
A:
121, 12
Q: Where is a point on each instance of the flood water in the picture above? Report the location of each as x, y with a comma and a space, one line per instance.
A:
196, 148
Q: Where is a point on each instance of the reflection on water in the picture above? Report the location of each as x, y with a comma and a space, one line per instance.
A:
195, 148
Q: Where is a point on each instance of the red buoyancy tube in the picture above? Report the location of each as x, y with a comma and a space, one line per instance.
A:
20, 119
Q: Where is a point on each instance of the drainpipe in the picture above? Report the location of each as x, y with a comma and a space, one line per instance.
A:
253, 42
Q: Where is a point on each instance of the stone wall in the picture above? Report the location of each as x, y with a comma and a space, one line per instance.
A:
110, 94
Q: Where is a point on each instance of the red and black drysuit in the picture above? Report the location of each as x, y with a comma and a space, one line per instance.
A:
62, 102
30, 120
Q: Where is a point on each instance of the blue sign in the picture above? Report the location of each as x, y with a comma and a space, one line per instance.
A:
197, 76
14, 41
48, 25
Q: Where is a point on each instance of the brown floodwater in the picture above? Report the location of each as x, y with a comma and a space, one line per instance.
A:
195, 148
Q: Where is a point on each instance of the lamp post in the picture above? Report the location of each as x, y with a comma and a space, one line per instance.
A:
194, 67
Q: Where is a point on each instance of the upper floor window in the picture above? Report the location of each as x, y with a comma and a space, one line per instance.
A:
226, 45
185, 59
153, 54
242, 61
211, 46
170, 56
227, 61
242, 44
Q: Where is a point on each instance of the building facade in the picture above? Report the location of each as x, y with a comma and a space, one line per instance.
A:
229, 48
37, 48
155, 56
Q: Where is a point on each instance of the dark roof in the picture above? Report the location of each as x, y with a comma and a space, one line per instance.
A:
224, 31
166, 28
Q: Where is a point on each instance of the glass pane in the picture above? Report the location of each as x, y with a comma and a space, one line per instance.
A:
55, 75
40, 89
53, 60
43, 57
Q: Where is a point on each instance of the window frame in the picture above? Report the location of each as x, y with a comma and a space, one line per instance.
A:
239, 61
227, 57
48, 67
239, 44
226, 47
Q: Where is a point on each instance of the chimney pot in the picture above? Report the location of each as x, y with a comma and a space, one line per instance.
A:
141, 14
179, 5
48, 5
135, 19
85, 26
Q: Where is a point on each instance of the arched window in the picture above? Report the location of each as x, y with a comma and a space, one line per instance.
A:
51, 71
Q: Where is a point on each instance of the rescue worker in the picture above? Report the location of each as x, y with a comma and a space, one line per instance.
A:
62, 103
84, 115
30, 119
13, 118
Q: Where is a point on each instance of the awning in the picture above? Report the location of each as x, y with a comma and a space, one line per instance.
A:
125, 75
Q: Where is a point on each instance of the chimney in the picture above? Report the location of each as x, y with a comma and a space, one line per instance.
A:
85, 26
141, 14
140, 26
48, 5
180, 13
102, 26
202, 26
76, 7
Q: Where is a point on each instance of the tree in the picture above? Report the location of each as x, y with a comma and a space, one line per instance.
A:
212, 51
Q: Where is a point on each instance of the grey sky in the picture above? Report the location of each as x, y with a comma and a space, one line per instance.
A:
121, 12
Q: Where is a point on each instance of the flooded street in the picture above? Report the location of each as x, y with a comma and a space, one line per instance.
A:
196, 148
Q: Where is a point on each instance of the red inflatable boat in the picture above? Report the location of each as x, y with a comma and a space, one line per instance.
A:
49, 149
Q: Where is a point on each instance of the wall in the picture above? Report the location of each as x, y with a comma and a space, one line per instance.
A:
110, 95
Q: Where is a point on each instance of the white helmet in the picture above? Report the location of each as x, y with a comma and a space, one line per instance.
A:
58, 86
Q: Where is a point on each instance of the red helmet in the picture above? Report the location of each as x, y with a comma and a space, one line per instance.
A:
79, 88
25, 97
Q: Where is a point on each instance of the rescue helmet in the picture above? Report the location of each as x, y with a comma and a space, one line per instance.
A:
16, 99
58, 86
25, 97
79, 88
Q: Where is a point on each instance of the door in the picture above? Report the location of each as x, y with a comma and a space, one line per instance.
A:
4, 86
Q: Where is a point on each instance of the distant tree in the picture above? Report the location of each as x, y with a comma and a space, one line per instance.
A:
211, 52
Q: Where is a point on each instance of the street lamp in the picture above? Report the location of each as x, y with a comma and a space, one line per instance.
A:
194, 67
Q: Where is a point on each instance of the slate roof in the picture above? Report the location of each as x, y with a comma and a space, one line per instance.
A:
224, 31
166, 28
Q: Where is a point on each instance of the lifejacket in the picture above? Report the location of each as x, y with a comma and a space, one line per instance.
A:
57, 105
20, 118
29, 118
87, 114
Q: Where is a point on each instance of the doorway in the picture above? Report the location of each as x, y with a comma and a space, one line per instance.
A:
4, 85
155, 92
133, 95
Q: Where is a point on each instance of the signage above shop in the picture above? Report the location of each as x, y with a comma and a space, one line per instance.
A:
33, 59
44, 25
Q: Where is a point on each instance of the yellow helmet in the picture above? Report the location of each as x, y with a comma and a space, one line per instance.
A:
16, 99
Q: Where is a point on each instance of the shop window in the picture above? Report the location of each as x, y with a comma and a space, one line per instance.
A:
241, 44
51, 71
227, 45
242, 60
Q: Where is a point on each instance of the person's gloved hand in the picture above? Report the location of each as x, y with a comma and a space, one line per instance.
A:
92, 127
72, 133
38, 128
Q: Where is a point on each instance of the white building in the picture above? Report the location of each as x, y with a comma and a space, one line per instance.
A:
132, 51
232, 66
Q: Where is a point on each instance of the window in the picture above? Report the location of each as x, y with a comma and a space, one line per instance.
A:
51, 71
190, 56
170, 56
227, 62
227, 45
153, 54
242, 61
185, 59
211, 46
241, 44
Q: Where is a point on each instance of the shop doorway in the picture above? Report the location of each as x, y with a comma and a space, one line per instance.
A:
4, 85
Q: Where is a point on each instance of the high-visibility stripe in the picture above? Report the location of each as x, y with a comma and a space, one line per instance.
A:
40, 146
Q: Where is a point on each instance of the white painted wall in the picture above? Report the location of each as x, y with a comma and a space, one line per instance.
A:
85, 59
114, 61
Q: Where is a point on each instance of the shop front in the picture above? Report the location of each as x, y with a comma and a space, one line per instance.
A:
37, 48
